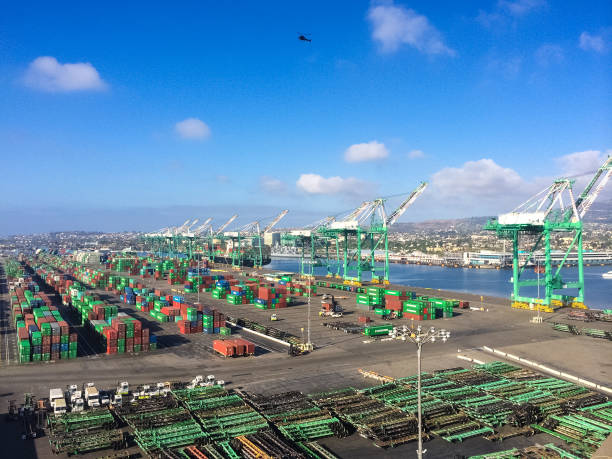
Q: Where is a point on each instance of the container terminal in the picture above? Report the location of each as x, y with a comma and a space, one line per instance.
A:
194, 349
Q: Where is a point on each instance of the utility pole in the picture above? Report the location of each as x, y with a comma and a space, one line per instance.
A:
198, 277
309, 295
538, 272
419, 338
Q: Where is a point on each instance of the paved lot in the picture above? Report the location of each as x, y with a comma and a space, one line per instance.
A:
333, 365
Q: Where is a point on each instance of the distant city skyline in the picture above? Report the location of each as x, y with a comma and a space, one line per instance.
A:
118, 117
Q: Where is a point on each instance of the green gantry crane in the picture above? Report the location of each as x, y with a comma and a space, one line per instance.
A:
365, 228
315, 247
217, 234
246, 245
190, 239
164, 241
553, 210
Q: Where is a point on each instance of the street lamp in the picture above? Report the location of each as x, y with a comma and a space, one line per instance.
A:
198, 277
420, 337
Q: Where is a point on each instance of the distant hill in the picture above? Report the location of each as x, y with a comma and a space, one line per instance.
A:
460, 225
600, 212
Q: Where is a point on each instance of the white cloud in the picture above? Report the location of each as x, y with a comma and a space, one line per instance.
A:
509, 68
582, 162
505, 10
370, 151
416, 154
45, 73
520, 7
483, 178
548, 54
393, 26
590, 42
316, 184
192, 128
223, 179
272, 185
483, 187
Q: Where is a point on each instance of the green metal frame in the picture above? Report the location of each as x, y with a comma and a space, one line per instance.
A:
552, 280
350, 243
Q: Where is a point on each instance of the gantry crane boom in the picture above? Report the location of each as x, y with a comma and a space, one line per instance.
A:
586, 198
181, 228
191, 225
355, 213
225, 225
273, 223
203, 227
397, 213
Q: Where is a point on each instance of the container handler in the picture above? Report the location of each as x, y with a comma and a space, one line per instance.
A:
330, 307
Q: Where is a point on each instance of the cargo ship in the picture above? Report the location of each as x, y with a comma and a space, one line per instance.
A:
248, 257
246, 262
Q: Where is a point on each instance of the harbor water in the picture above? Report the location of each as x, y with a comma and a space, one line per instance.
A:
478, 281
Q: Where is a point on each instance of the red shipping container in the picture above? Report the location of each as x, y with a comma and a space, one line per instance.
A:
225, 348
64, 327
238, 347
249, 348
73, 337
408, 315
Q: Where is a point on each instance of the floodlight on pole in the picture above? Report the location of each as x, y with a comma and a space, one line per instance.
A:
421, 337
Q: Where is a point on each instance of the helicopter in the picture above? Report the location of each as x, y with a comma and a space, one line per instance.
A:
304, 37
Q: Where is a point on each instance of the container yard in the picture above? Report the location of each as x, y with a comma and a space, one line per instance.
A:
250, 329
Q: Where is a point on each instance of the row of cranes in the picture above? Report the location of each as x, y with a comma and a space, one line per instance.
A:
532, 225
242, 247
347, 244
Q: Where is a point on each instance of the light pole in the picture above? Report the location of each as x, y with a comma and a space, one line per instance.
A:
420, 337
309, 344
198, 277
538, 272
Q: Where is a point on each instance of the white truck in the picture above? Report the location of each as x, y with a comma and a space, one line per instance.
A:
92, 396
77, 405
196, 382
57, 401
117, 400
104, 398
123, 388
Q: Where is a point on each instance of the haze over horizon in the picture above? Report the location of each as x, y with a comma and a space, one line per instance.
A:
118, 117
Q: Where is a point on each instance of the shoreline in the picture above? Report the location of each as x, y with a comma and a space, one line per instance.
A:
449, 265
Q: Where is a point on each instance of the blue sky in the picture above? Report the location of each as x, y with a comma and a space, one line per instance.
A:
119, 116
